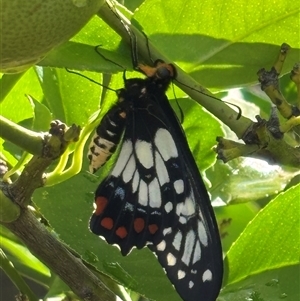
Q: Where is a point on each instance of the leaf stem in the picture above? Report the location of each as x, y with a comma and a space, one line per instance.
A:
29, 141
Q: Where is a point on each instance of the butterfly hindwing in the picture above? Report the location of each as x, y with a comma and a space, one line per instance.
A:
190, 255
186, 255
190, 252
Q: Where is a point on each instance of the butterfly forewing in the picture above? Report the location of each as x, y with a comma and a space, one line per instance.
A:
155, 196
139, 197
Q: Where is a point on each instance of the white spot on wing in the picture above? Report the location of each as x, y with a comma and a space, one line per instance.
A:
165, 144
161, 246
207, 276
161, 169
179, 208
124, 155
112, 123
129, 169
197, 252
135, 181
177, 241
179, 186
144, 153
183, 220
191, 284
189, 207
180, 274
143, 193
202, 234
186, 208
171, 259
188, 247
154, 194
168, 207
111, 134
167, 231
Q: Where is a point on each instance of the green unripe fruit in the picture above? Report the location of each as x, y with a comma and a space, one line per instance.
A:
30, 29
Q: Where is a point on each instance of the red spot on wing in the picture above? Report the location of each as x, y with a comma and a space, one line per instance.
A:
101, 203
153, 228
121, 232
107, 223
139, 225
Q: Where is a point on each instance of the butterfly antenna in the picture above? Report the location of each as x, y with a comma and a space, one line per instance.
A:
107, 59
89, 79
216, 98
236, 106
181, 119
148, 47
132, 39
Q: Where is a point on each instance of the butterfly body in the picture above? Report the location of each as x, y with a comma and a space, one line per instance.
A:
154, 194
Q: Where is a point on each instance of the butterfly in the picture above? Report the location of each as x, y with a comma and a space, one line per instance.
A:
154, 194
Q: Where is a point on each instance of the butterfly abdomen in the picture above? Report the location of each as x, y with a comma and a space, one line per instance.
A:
107, 137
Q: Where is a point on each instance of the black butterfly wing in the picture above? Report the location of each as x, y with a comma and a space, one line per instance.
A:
155, 195
138, 198
191, 252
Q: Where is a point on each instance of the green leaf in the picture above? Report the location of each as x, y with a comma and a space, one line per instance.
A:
232, 221
80, 53
270, 241
7, 82
15, 106
42, 115
67, 97
276, 285
222, 44
245, 179
56, 287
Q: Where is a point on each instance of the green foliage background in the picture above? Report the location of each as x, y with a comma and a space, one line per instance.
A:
220, 44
